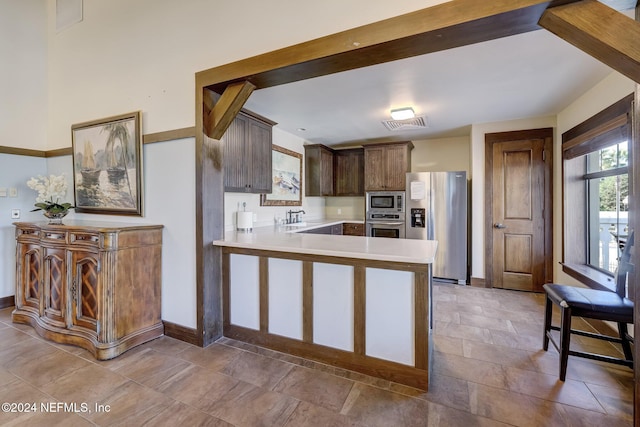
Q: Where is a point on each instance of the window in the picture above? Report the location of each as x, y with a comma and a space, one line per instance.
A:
596, 183
607, 187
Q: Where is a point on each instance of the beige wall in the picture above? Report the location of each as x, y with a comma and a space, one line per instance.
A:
23, 74
445, 154
143, 55
345, 207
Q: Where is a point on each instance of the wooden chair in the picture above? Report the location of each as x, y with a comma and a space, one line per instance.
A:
592, 304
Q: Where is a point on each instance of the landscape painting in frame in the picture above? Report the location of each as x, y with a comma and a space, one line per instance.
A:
107, 165
287, 179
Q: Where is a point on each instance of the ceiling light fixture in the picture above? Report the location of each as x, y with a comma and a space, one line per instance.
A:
404, 113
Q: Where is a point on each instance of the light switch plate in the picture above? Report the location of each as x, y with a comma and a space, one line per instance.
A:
15, 213
13, 192
3, 191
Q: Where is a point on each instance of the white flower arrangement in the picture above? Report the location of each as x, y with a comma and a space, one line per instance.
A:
50, 190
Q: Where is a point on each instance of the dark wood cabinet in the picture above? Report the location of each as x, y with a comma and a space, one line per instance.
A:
247, 154
348, 172
386, 165
353, 229
94, 285
318, 170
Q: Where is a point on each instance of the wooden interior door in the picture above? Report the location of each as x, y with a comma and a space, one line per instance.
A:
520, 218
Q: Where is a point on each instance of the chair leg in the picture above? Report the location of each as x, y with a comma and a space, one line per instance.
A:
548, 309
626, 345
565, 340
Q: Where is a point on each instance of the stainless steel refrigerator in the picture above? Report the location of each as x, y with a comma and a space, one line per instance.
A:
436, 209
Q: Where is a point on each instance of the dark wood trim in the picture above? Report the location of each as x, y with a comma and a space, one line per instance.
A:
169, 135
226, 108
60, 152
600, 31
359, 310
9, 301
181, 333
634, 221
264, 293
390, 265
22, 152
307, 301
490, 139
226, 289
368, 365
478, 282
590, 276
209, 187
582, 138
422, 320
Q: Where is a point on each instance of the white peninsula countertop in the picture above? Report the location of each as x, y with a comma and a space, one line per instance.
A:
287, 238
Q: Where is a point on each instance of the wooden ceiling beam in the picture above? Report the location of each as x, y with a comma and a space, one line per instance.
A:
600, 31
444, 26
219, 114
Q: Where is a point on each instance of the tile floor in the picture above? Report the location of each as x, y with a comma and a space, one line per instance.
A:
488, 370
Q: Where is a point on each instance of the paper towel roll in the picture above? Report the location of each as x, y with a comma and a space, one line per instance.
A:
244, 221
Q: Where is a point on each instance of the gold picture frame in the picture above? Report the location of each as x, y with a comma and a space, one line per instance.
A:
107, 165
286, 178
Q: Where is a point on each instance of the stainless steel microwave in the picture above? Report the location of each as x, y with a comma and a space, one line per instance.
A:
385, 202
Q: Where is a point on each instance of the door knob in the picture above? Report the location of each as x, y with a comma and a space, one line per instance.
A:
499, 226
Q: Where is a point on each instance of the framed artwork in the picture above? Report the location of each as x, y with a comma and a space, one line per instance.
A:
287, 179
107, 165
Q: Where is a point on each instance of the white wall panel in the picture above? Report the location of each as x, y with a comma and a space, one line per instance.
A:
285, 297
389, 316
245, 291
333, 305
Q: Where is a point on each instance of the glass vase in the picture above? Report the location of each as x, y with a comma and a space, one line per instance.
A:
55, 217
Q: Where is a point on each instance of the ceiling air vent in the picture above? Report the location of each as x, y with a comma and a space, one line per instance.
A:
415, 123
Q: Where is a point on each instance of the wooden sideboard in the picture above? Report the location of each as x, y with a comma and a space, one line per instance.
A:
91, 284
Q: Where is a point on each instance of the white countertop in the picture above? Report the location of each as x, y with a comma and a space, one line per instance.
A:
285, 238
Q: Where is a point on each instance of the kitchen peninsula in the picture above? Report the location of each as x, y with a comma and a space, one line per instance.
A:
358, 303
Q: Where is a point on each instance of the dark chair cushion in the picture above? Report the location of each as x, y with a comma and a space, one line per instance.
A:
591, 302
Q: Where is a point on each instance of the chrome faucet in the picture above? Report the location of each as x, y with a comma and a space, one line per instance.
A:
291, 219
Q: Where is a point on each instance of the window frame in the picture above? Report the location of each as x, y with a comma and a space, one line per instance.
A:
607, 127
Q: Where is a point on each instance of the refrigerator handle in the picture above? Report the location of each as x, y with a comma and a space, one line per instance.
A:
430, 218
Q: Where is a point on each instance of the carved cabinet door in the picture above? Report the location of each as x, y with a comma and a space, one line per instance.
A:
54, 279
29, 289
85, 285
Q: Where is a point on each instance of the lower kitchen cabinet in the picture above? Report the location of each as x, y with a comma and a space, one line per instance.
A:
94, 285
353, 229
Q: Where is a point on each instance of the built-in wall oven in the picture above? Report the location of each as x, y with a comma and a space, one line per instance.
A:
385, 215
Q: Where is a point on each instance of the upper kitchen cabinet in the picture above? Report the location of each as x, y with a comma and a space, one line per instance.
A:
247, 154
348, 172
318, 170
385, 166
